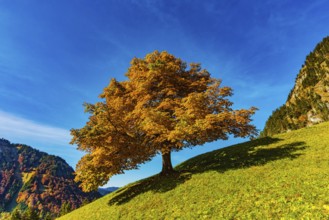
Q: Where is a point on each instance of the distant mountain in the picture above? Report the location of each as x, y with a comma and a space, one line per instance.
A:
308, 101
30, 178
104, 191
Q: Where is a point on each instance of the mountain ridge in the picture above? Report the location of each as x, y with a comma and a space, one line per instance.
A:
107, 190
31, 178
308, 101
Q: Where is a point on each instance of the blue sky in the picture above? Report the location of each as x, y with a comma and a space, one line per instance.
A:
55, 55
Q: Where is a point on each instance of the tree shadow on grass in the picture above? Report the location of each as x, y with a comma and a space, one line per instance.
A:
156, 183
253, 153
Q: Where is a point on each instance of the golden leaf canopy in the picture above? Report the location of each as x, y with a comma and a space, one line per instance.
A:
163, 106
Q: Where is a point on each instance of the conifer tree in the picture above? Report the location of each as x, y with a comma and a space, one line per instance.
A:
65, 208
30, 214
16, 215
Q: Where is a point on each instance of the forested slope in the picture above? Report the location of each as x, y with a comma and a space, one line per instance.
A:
308, 101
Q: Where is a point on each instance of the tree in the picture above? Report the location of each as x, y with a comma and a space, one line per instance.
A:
30, 214
47, 216
162, 107
16, 215
65, 208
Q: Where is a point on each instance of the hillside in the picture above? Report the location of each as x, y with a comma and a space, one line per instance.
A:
285, 176
30, 178
308, 101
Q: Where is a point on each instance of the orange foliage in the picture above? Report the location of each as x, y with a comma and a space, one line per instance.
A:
163, 106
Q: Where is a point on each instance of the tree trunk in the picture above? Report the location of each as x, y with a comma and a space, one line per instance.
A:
167, 168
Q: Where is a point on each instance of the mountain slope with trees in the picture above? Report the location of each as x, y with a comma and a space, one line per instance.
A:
33, 179
308, 101
280, 177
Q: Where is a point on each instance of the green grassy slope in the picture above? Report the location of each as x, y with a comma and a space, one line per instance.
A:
286, 176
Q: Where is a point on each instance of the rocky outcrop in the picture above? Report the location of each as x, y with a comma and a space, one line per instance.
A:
308, 101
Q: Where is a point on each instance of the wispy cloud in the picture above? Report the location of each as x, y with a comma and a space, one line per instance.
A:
15, 126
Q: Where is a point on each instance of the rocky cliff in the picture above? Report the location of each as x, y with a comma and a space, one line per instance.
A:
308, 101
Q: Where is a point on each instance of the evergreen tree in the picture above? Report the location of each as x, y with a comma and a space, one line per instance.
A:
30, 214
16, 215
65, 208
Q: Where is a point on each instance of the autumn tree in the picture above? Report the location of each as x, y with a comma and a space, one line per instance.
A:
163, 106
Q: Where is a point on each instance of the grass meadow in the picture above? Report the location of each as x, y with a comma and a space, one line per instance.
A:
280, 177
